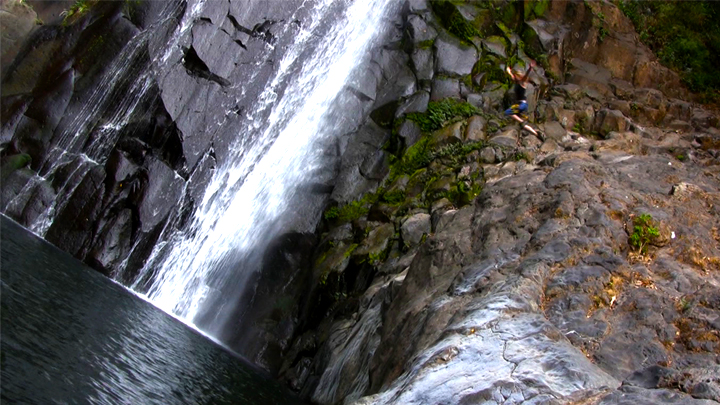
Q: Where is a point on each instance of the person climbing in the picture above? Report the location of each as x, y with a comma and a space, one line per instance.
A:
517, 111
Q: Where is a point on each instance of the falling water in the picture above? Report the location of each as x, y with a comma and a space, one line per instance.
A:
248, 196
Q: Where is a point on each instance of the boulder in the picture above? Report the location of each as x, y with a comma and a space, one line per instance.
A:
555, 131
495, 45
410, 132
162, 193
570, 91
508, 138
608, 121
475, 130
487, 155
377, 242
74, 223
423, 64
447, 136
413, 229
397, 79
445, 87
113, 243
453, 58
418, 102
702, 119
375, 166
418, 31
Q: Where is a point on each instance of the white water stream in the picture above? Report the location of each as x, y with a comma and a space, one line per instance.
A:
247, 196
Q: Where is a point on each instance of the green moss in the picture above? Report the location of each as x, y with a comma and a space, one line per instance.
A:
454, 154
427, 44
416, 157
462, 195
78, 8
535, 8
351, 211
440, 113
351, 249
395, 197
454, 22
489, 65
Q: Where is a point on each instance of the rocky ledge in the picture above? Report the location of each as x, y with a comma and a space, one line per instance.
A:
467, 262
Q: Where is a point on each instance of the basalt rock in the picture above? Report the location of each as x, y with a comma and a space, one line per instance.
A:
536, 286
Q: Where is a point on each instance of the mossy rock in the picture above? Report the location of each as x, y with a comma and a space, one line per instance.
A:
417, 182
441, 113
440, 187
463, 193
335, 260
489, 67
531, 39
483, 22
447, 136
383, 212
510, 14
496, 45
351, 211
454, 21
373, 249
16, 161
535, 8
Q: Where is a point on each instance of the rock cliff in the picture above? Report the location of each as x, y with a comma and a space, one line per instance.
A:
465, 261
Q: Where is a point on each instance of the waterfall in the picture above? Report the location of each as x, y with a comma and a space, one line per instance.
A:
254, 193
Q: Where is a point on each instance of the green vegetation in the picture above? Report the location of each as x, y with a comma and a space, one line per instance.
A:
644, 233
535, 8
352, 210
581, 125
395, 197
427, 44
521, 156
416, 157
454, 21
685, 35
79, 8
454, 154
440, 113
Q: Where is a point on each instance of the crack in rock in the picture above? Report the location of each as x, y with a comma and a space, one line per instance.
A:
196, 67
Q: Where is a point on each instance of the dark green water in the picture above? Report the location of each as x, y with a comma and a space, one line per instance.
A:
71, 336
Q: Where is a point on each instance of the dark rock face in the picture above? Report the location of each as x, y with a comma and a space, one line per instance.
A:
83, 87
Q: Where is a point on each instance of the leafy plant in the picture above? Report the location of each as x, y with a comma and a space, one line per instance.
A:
439, 113
79, 8
644, 233
352, 210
